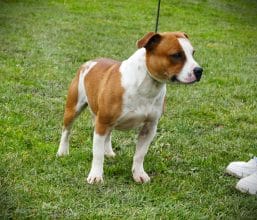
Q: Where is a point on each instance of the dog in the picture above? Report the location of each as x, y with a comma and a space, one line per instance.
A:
127, 95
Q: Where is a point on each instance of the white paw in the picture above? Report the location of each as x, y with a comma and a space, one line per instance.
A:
62, 153
95, 177
141, 177
109, 154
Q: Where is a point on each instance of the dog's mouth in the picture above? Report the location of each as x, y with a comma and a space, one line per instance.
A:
175, 79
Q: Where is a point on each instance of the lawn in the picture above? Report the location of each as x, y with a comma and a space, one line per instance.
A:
206, 125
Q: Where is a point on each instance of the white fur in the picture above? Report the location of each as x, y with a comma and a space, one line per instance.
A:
64, 143
145, 137
96, 172
143, 97
186, 75
108, 151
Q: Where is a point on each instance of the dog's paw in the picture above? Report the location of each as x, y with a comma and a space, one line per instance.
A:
108, 151
109, 154
141, 177
61, 153
94, 178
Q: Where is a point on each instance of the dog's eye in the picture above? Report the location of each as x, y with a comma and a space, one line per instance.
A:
176, 56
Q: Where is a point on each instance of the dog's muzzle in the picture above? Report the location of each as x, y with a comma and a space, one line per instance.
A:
192, 78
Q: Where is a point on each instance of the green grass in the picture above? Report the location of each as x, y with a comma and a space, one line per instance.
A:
206, 125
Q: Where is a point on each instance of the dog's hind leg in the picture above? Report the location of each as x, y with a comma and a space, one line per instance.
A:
75, 104
71, 112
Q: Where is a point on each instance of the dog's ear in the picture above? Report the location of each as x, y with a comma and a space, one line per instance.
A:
181, 35
149, 41
186, 35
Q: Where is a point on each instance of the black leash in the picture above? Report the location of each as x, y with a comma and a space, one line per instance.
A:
158, 15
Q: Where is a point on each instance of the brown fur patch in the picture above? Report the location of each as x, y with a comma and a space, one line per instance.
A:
143, 41
104, 92
72, 99
159, 61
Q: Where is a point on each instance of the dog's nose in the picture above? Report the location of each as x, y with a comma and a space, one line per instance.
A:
198, 72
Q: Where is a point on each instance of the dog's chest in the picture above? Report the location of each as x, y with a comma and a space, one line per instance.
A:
143, 98
138, 109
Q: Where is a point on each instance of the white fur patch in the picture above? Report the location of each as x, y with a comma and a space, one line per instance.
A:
146, 136
64, 144
186, 75
96, 173
143, 97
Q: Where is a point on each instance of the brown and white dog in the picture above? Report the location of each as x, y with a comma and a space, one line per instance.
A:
129, 94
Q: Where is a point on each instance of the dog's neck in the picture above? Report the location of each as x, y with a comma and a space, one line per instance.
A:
134, 71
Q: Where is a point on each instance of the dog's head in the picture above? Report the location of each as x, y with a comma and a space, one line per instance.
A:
169, 57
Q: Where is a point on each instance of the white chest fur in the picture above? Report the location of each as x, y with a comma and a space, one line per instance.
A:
143, 97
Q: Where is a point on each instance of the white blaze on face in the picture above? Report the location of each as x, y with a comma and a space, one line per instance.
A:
187, 75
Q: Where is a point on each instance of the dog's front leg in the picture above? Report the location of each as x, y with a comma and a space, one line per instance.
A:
145, 137
96, 172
